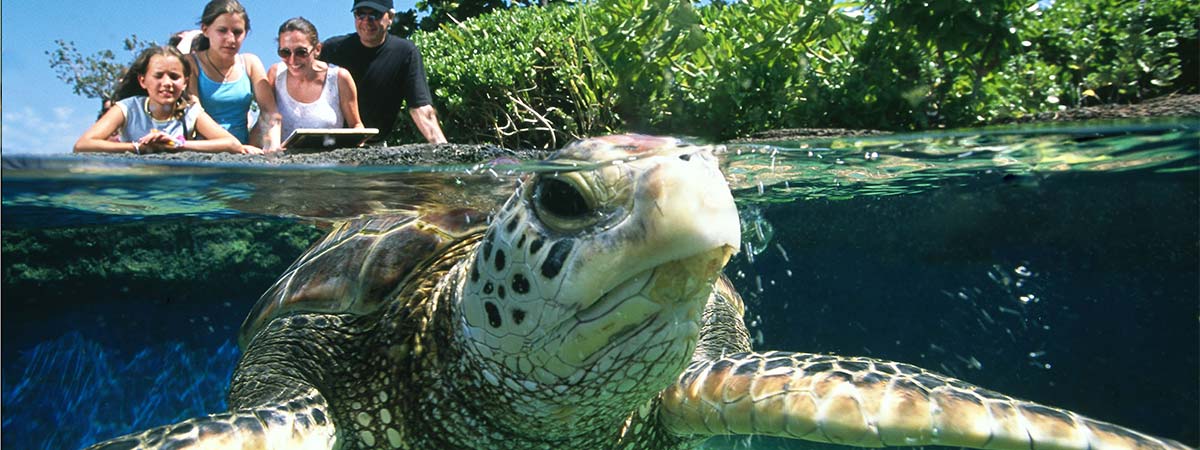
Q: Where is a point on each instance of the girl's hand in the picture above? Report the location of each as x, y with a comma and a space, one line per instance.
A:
251, 150
156, 141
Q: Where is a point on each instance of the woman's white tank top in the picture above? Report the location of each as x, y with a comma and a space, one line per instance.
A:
325, 112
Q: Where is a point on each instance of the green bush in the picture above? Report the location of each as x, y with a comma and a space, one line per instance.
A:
1078, 53
722, 70
519, 78
923, 64
537, 77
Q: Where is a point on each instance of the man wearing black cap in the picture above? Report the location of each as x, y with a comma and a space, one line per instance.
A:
387, 70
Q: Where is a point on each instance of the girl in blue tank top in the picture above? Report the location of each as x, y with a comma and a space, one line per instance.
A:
227, 82
227, 102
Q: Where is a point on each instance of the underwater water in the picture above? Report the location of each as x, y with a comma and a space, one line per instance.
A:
1059, 265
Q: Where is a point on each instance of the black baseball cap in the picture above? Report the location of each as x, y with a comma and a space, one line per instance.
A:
378, 5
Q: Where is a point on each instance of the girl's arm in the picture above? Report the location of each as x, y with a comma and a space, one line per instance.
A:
95, 139
216, 138
268, 112
348, 97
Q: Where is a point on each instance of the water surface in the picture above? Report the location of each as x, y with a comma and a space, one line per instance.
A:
1055, 264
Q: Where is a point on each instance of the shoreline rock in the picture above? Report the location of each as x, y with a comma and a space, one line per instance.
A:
1166, 106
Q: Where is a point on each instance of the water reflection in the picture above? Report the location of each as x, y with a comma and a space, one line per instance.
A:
912, 163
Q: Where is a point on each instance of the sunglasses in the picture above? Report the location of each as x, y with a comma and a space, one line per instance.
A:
368, 14
300, 52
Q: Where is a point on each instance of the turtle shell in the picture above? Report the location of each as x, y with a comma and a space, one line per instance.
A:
357, 267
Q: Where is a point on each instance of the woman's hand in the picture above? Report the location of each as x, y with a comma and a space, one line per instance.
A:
251, 150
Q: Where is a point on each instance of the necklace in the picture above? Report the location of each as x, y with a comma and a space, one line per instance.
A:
146, 107
225, 72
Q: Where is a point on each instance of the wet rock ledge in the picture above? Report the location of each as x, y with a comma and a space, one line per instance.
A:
401, 155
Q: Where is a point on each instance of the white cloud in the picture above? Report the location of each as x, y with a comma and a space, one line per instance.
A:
46, 130
63, 113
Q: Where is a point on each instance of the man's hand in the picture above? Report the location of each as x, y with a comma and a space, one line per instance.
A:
425, 118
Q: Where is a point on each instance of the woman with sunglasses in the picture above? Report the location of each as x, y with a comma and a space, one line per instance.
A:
310, 93
227, 81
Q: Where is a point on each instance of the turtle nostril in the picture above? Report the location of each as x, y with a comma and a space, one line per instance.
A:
686, 156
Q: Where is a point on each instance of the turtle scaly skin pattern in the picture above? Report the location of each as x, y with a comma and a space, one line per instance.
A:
589, 312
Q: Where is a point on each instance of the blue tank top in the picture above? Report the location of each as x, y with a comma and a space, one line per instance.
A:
228, 103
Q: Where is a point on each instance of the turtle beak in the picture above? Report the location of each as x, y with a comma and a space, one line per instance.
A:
681, 207
659, 262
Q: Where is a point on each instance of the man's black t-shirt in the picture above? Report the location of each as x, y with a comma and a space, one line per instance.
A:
386, 76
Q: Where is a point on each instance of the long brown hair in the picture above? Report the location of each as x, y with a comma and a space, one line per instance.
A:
129, 86
212, 11
302, 25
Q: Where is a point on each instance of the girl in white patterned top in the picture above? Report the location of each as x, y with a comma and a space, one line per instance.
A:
153, 115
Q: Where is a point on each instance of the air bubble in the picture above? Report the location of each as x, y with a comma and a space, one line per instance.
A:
782, 252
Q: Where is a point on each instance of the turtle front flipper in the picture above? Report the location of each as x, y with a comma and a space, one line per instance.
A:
872, 403
301, 423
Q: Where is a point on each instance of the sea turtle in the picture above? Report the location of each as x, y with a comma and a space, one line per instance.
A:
588, 313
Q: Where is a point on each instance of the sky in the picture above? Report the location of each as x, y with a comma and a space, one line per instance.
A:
41, 114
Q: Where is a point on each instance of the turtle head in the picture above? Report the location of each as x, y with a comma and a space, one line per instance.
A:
595, 279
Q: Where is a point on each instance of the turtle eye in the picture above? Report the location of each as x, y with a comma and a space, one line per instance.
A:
561, 199
562, 205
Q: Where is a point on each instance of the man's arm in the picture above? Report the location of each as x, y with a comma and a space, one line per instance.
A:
425, 117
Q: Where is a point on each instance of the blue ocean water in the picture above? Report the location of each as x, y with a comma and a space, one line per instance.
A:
1060, 265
